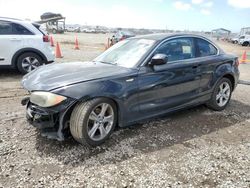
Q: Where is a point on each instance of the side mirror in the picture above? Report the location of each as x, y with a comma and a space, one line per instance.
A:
159, 59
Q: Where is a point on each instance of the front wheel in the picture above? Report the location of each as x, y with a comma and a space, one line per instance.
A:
221, 95
93, 121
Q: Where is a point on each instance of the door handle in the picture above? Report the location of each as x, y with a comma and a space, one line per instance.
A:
195, 66
130, 80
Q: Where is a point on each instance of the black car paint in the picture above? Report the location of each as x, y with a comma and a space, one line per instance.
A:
60, 75
140, 92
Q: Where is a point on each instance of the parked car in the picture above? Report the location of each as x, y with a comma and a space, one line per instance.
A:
121, 35
136, 79
235, 40
88, 30
48, 15
55, 27
72, 29
23, 45
244, 40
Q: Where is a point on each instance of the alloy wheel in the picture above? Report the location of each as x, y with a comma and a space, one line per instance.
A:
223, 94
30, 63
100, 121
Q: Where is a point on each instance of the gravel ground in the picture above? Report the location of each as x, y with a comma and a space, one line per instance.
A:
192, 148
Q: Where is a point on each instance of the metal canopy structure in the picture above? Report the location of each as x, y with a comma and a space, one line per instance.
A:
51, 19
221, 33
245, 31
54, 24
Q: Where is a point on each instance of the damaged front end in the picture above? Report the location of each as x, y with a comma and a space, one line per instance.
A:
52, 121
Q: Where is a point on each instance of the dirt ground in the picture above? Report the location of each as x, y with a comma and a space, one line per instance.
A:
192, 148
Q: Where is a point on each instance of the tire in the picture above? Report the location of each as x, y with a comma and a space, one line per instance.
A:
82, 124
28, 62
220, 104
54, 31
245, 44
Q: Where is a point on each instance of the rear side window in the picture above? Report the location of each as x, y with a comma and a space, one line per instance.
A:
204, 48
177, 49
20, 30
5, 28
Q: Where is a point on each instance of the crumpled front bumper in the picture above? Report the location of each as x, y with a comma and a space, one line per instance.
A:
41, 118
51, 121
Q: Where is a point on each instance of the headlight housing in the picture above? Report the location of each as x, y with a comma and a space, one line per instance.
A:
46, 99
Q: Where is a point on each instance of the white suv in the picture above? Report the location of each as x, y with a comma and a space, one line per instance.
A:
244, 40
23, 45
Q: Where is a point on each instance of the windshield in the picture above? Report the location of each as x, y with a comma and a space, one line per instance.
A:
126, 53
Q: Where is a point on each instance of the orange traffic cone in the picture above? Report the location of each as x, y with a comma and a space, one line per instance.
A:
108, 42
58, 51
76, 45
52, 41
244, 57
107, 46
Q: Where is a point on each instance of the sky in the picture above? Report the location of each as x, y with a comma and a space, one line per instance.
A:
195, 15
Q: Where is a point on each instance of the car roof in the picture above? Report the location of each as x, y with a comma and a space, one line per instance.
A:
15, 20
28, 24
11, 19
163, 36
126, 32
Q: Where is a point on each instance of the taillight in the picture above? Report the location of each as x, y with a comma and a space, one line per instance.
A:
122, 38
237, 63
45, 38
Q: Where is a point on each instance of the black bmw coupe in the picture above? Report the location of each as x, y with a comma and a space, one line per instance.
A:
136, 79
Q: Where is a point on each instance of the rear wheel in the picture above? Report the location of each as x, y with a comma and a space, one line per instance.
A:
54, 31
28, 62
93, 121
245, 44
221, 95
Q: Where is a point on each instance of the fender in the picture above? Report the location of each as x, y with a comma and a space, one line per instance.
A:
116, 90
225, 69
23, 50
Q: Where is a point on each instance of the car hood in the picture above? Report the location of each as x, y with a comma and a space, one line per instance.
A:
56, 75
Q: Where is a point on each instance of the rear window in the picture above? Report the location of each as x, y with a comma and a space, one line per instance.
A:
204, 48
39, 27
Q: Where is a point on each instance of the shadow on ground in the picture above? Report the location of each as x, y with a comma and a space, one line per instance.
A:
6, 72
147, 137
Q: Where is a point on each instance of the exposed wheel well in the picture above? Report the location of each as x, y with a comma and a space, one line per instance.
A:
231, 78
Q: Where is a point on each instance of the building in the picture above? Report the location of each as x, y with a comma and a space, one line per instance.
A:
220, 33
245, 31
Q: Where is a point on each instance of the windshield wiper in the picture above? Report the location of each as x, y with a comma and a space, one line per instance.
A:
113, 63
110, 63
